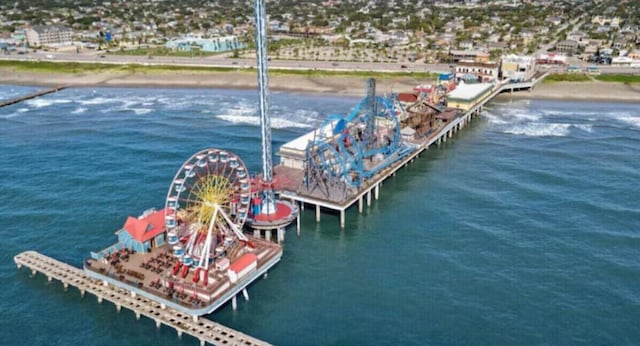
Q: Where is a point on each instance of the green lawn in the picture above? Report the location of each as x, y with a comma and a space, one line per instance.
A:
619, 78
567, 77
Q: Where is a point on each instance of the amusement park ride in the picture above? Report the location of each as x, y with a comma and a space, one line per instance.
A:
193, 254
354, 148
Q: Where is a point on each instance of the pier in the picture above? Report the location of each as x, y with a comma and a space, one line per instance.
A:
31, 96
204, 330
290, 178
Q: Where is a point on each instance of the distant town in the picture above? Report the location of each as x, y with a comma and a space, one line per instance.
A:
601, 32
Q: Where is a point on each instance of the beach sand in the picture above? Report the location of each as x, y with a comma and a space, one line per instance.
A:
336, 85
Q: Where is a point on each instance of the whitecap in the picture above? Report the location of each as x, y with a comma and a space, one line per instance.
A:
141, 111
240, 119
584, 127
539, 130
276, 123
97, 101
41, 102
633, 121
79, 110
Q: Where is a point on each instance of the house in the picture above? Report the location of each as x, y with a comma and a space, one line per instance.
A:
577, 36
634, 54
569, 47
145, 232
466, 45
555, 20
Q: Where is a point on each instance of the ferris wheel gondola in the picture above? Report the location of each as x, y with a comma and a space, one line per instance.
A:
206, 206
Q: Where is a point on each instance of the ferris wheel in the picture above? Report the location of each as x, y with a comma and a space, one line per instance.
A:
206, 207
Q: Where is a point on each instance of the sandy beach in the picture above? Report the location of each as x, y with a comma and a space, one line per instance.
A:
336, 85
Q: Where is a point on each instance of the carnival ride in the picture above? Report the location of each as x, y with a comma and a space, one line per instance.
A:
349, 150
268, 211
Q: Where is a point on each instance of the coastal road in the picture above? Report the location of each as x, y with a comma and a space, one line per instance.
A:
222, 61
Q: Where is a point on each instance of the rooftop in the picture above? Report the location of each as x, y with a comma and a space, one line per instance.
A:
469, 92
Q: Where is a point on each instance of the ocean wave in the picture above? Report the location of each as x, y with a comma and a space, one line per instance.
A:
631, 120
140, 111
97, 101
276, 123
539, 130
43, 102
79, 110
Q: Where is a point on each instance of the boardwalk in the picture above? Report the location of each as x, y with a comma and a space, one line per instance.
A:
204, 330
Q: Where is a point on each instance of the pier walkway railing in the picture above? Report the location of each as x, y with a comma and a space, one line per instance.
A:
206, 331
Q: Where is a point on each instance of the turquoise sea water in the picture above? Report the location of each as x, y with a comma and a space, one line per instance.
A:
524, 229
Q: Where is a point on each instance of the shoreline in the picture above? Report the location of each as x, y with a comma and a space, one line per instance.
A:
595, 91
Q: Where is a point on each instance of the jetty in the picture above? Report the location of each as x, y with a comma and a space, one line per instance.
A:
32, 95
204, 330
337, 196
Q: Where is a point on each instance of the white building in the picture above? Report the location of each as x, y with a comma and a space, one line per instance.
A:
518, 68
49, 35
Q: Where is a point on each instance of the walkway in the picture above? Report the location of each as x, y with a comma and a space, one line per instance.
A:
200, 328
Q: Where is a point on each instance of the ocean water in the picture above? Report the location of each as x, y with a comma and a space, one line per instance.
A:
523, 229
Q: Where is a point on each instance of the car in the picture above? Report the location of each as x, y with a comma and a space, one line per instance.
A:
102, 55
334, 64
403, 66
234, 63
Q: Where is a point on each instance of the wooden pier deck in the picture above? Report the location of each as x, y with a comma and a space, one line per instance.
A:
372, 185
31, 96
206, 331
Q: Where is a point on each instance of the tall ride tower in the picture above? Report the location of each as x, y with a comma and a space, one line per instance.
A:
268, 213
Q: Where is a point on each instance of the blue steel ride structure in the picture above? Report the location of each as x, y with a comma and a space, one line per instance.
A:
356, 146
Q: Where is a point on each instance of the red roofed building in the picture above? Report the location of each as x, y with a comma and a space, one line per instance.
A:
144, 232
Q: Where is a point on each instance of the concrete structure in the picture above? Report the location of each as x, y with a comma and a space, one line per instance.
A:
49, 35
482, 71
473, 55
206, 331
569, 47
465, 96
518, 68
197, 43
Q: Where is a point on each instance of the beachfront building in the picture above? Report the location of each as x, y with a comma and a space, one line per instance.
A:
195, 43
473, 55
49, 35
472, 71
569, 47
465, 95
518, 68
143, 233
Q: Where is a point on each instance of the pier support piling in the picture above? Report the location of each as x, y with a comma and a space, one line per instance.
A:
280, 235
369, 198
137, 315
158, 324
245, 294
234, 303
317, 213
376, 192
118, 307
360, 204
99, 299
342, 218
298, 224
